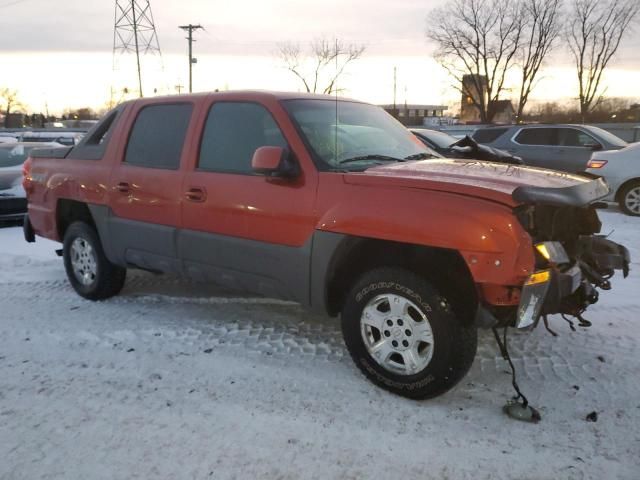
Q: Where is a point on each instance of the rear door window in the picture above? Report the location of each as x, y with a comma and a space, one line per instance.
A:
488, 135
232, 134
158, 135
537, 136
572, 137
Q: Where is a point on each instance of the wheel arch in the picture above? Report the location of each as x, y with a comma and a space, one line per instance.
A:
69, 211
625, 185
444, 268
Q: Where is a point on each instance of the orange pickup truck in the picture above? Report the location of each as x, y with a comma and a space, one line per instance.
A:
333, 204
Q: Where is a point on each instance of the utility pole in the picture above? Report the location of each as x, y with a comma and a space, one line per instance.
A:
190, 28
394, 91
179, 88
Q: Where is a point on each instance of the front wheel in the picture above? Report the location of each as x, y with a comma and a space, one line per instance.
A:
403, 335
89, 271
630, 199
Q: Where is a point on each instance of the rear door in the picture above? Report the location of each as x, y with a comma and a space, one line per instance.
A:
240, 229
537, 147
145, 187
576, 147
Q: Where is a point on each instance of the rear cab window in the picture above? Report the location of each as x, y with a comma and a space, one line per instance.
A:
232, 133
158, 135
94, 143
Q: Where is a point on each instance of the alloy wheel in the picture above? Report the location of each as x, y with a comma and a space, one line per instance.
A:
83, 261
397, 334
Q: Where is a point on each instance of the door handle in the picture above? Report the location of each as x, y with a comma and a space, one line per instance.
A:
123, 187
196, 194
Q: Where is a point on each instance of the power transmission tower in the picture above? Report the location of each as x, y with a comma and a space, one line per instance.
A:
135, 32
190, 28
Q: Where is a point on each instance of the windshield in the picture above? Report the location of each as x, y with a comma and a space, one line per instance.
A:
359, 135
13, 155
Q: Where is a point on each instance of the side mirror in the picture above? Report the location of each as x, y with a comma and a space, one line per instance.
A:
274, 162
594, 146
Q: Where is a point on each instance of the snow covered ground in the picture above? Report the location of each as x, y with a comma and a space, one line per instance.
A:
176, 380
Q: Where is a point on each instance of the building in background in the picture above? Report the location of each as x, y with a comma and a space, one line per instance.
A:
504, 112
415, 114
475, 86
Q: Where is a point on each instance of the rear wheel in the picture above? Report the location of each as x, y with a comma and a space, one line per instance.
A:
403, 335
630, 199
89, 271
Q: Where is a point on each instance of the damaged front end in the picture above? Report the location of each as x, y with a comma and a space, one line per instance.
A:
573, 260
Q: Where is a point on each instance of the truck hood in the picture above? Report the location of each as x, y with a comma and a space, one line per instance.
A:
508, 184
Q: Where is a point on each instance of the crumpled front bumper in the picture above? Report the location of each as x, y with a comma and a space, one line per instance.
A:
569, 289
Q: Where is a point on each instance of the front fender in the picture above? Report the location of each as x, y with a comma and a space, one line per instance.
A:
492, 242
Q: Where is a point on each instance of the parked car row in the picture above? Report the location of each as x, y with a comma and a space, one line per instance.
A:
568, 148
63, 137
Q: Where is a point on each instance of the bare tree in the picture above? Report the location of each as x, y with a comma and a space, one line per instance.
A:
541, 29
322, 64
477, 40
595, 32
10, 99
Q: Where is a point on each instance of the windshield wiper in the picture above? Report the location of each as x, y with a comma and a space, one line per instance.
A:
420, 156
373, 156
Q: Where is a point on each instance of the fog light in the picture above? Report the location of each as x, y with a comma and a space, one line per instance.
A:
538, 277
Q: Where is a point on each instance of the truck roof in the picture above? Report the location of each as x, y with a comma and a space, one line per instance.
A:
249, 95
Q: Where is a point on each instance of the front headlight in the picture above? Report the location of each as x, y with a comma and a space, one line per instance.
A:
553, 252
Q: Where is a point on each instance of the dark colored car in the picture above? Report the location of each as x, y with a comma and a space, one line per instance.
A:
559, 147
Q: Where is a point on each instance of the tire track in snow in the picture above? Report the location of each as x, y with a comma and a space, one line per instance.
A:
195, 317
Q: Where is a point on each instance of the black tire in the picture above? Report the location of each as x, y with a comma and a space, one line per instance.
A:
454, 345
108, 279
622, 198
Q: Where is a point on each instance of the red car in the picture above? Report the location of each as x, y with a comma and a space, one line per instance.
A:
333, 204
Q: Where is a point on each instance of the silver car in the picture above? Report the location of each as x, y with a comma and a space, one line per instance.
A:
559, 147
621, 170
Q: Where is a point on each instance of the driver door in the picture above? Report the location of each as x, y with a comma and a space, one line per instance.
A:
244, 230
